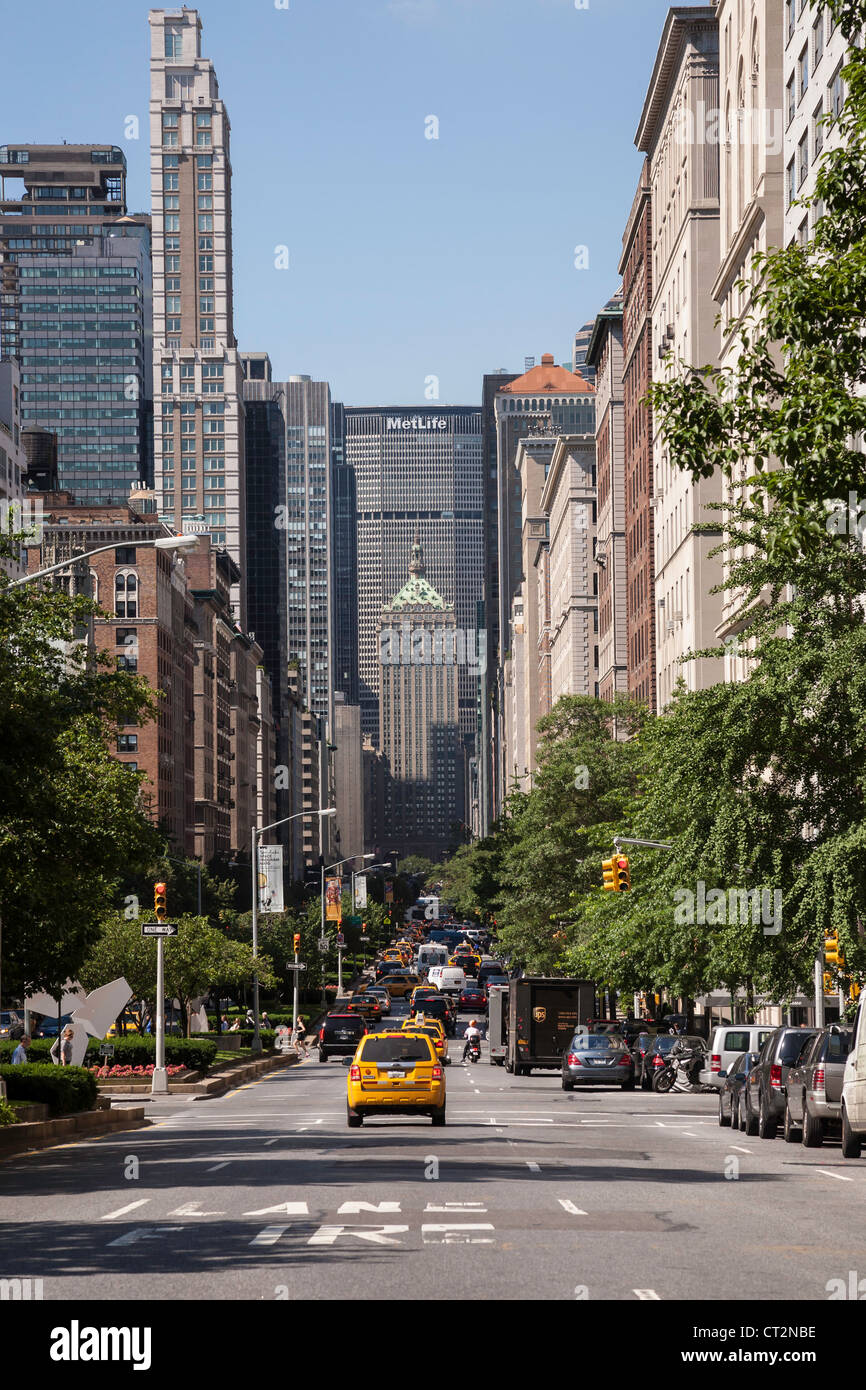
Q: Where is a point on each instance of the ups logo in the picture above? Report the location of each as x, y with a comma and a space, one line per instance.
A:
539, 1014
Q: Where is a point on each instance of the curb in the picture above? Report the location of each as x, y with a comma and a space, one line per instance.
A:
43, 1134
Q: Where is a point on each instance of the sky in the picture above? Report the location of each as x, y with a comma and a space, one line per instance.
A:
410, 258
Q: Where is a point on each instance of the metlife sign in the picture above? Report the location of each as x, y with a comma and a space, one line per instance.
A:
416, 422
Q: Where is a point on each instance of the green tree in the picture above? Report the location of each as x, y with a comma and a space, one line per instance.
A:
71, 819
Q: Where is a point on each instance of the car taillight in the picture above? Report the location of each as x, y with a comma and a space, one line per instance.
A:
658, 1061
776, 1075
437, 1073
321, 1035
818, 1082
716, 1062
574, 1060
354, 1073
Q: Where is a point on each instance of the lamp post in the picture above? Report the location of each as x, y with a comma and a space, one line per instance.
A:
385, 864
157, 543
326, 870
255, 836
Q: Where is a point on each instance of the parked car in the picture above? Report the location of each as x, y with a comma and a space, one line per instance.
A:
597, 1059
763, 1096
49, 1028
11, 1026
730, 1088
731, 1040
813, 1091
340, 1034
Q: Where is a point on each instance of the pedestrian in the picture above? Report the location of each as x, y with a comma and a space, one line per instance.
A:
266, 1022
250, 1020
61, 1052
20, 1053
236, 1026
224, 1022
300, 1035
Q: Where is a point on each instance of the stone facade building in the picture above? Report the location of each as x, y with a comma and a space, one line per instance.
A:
605, 355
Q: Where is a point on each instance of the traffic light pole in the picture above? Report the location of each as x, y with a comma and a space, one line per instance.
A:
256, 1044
819, 993
159, 1083
295, 1003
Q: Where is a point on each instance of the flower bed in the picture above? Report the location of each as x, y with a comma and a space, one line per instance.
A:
108, 1073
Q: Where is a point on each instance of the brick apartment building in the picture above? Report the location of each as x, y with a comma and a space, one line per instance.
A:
168, 618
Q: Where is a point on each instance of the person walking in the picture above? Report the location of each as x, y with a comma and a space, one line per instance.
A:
61, 1052
301, 1035
20, 1053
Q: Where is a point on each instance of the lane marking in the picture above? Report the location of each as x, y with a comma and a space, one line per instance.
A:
121, 1211
828, 1174
533, 1167
739, 1150
143, 1233
456, 1233
646, 1294
217, 1166
284, 1209
571, 1208
191, 1209
269, 1236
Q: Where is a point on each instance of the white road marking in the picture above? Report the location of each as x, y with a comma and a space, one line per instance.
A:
377, 1235
269, 1235
456, 1233
191, 1209
739, 1150
688, 1134
110, 1216
533, 1167
284, 1209
475, 1208
355, 1208
647, 1294
571, 1208
217, 1166
828, 1174
143, 1233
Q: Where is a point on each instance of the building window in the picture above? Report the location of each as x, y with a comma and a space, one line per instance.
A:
205, 263
202, 137
837, 93
204, 182
817, 41
127, 743
173, 43
818, 129
205, 222
125, 595
171, 182
205, 203
124, 555
792, 99
172, 304
172, 222
790, 188
803, 158
803, 69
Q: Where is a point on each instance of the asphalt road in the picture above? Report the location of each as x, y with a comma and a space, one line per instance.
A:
528, 1192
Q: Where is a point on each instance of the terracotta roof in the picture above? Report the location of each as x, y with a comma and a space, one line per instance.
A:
550, 378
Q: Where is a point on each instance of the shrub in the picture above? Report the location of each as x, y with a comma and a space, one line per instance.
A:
246, 1036
8, 1116
138, 1050
63, 1089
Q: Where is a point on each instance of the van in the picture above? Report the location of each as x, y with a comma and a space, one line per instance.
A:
451, 979
854, 1092
497, 1024
727, 1042
429, 956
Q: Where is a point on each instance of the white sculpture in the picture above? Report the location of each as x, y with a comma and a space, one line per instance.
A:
92, 1014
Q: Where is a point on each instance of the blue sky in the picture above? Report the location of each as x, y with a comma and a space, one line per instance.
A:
409, 257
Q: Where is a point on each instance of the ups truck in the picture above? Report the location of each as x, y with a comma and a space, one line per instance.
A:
542, 1017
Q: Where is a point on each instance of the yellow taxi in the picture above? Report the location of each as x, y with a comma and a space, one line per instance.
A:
434, 1029
392, 954
395, 1073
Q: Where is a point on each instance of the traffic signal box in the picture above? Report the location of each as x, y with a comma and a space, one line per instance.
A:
297, 942
616, 874
833, 954
160, 902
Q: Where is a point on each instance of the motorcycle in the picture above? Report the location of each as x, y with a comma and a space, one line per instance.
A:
680, 1071
474, 1050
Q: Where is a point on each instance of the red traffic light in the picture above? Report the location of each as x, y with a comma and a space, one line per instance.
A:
297, 942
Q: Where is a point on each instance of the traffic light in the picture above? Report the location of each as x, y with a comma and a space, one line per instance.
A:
297, 942
828, 983
160, 905
608, 873
623, 875
855, 990
833, 954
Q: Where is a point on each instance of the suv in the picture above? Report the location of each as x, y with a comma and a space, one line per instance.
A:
814, 1088
729, 1041
339, 1035
763, 1095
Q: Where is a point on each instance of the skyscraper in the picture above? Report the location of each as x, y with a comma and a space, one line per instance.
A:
75, 310
418, 470
198, 377
419, 729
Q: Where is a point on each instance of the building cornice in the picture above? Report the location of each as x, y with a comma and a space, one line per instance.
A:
681, 22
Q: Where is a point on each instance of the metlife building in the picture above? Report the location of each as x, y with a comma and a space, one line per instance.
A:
418, 469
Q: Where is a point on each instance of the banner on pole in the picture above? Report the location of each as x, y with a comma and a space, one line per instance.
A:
271, 878
333, 899
389, 890
360, 892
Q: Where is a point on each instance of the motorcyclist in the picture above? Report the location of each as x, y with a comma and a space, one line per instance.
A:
473, 1031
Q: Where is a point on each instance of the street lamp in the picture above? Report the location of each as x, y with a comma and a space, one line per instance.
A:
255, 835
158, 543
358, 873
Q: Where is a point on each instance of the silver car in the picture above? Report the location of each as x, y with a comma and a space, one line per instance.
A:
597, 1059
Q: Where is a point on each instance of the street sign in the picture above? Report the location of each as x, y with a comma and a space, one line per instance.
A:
341, 940
159, 928
323, 943
355, 921
364, 939
106, 1050
292, 966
